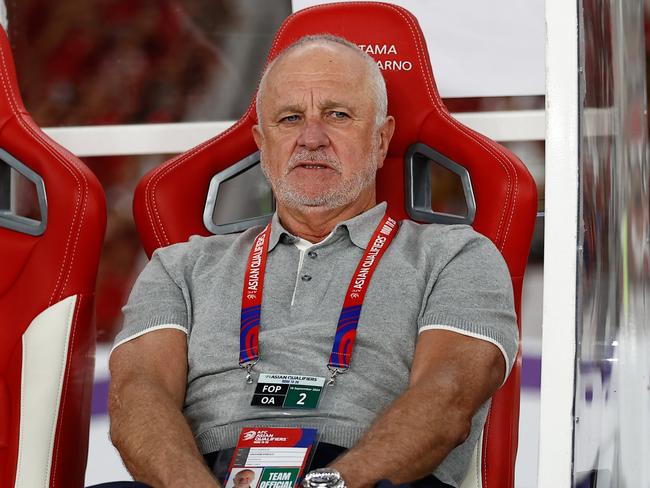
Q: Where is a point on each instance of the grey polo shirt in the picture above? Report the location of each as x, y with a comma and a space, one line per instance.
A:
431, 277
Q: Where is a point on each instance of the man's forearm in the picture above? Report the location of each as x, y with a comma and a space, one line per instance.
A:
408, 441
451, 377
156, 444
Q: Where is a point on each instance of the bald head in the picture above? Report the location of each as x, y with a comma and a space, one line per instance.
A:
338, 47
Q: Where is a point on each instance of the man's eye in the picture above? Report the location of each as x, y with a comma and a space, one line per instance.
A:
290, 118
337, 114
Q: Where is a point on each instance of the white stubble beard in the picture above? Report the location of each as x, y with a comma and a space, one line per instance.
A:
335, 197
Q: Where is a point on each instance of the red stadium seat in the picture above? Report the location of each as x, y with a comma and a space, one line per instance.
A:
47, 279
504, 191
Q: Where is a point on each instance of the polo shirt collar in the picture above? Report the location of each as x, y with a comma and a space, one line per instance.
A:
359, 228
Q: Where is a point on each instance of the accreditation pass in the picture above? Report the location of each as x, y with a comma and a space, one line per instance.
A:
271, 457
287, 391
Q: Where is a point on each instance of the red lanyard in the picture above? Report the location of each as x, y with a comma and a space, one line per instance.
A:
346, 330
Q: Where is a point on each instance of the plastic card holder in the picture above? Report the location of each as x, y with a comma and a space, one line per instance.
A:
271, 457
285, 391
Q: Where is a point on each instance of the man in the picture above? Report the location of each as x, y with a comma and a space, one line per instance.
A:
244, 478
436, 334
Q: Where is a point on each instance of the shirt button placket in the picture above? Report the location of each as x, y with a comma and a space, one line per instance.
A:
312, 255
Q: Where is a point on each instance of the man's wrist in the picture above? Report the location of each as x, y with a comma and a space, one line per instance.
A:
357, 470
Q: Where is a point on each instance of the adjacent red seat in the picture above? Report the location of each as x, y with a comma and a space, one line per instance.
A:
47, 279
504, 191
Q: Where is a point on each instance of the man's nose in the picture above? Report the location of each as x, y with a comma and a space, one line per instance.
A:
313, 134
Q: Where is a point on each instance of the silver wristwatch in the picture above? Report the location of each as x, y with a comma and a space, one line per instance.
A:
323, 478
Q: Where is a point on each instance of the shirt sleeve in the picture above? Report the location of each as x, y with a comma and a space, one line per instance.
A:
156, 302
472, 295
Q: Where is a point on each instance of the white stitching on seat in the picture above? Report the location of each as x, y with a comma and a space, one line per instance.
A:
68, 164
162, 170
482, 141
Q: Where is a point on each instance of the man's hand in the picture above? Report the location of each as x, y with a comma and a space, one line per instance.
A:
148, 381
451, 377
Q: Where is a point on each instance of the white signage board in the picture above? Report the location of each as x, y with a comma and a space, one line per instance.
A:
480, 48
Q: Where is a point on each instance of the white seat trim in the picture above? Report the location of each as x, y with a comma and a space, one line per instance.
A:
45, 353
474, 476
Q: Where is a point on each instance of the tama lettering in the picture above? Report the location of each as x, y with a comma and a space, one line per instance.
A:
378, 48
386, 64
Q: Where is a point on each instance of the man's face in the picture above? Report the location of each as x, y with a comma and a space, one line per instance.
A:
243, 479
317, 134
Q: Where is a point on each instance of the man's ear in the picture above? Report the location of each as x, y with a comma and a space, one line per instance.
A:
385, 134
258, 136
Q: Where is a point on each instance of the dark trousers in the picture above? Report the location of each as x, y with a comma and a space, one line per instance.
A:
325, 453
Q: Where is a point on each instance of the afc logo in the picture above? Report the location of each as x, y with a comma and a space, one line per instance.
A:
249, 435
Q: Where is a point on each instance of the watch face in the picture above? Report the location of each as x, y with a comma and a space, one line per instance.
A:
323, 480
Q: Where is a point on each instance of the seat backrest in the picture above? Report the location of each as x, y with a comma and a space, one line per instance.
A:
504, 191
47, 278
